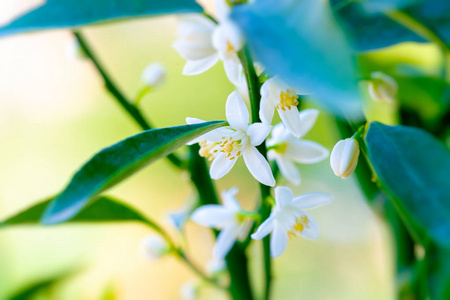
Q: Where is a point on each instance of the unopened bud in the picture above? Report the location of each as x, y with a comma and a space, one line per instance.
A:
154, 75
344, 157
153, 247
382, 87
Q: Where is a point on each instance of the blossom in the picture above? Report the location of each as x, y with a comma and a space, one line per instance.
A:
344, 157
275, 93
288, 219
202, 42
286, 149
225, 145
154, 75
226, 217
382, 87
235, 74
154, 247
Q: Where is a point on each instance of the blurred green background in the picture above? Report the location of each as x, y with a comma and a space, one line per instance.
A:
55, 114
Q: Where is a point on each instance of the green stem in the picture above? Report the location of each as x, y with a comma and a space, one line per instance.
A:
422, 30
265, 209
131, 109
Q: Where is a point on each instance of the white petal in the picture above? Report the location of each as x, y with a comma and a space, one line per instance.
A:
258, 133
335, 158
283, 196
312, 200
306, 152
221, 166
278, 241
212, 215
265, 228
229, 199
195, 67
266, 108
280, 134
237, 112
291, 120
232, 70
224, 242
258, 166
308, 118
191, 121
288, 170
310, 232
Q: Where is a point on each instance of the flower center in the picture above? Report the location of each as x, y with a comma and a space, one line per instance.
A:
229, 47
231, 145
288, 100
300, 225
279, 148
206, 148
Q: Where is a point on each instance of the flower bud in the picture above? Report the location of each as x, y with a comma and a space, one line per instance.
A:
154, 75
153, 247
344, 157
382, 87
189, 290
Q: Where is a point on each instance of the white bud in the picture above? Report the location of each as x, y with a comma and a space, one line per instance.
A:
344, 157
154, 75
382, 87
153, 247
189, 290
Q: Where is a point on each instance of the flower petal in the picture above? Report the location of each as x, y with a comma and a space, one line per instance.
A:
232, 70
212, 215
306, 152
258, 166
258, 133
291, 120
265, 228
312, 200
278, 241
221, 166
237, 112
229, 199
266, 106
225, 241
307, 118
283, 196
310, 232
195, 67
288, 170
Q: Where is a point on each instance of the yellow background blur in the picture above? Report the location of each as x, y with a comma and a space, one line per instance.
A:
55, 114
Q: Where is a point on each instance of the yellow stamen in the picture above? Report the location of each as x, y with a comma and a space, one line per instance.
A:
288, 100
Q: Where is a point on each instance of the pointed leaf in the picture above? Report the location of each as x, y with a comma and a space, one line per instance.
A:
116, 163
74, 13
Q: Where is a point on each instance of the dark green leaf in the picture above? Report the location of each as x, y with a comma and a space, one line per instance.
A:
370, 31
74, 13
413, 168
300, 41
103, 209
116, 163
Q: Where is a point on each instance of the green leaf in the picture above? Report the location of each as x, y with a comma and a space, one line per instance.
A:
73, 13
413, 168
369, 31
292, 39
103, 209
116, 163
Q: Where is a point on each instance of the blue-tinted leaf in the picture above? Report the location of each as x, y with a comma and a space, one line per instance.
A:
300, 41
369, 31
73, 13
414, 168
103, 209
116, 163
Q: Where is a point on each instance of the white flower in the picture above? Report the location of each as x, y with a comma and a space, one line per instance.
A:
153, 247
382, 87
286, 149
189, 290
235, 73
225, 217
195, 43
288, 218
154, 75
275, 93
222, 10
228, 40
344, 157
225, 145
180, 216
